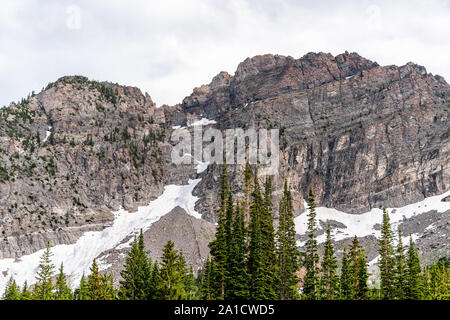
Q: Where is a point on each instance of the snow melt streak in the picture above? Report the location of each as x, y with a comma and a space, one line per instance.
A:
78, 257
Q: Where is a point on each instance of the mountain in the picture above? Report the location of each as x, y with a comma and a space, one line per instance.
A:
86, 164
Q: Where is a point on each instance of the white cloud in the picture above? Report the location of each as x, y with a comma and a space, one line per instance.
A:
168, 48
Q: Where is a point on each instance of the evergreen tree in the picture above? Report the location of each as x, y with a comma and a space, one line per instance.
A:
329, 280
172, 274
439, 285
82, 292
136, 273
362, 290
353, 254
219, 246
26, 293
310, 285
413, 277
12, 291
386, 262
269, 256
207, 280
238, 278
400, 269
43, 290
255, 260
425, 293
100, 287
189, 284
346, 281
153, 284
62, 290
288, 254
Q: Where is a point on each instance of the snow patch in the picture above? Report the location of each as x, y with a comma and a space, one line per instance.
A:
78, 257
363, 225
202, 122
47, 134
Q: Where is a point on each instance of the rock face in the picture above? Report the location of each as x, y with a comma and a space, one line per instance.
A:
362, 135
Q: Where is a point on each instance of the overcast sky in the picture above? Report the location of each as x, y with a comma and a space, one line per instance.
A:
169, 47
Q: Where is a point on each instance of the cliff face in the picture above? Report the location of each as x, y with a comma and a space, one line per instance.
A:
70, 155
361, 134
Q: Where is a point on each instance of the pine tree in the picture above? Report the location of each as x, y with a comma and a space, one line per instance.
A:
26, 293
346, 281
353, 255
136, 272
287, 252
413, 277
189, 284
255, 260
82, 292
100, 287
219, 246
153, 284
62, 290
12, 291
269, 256
207, 280
238, 277
400, 269
438, 282
329, 278
362, 290
311, 280
43, 290
172, 274
386, 262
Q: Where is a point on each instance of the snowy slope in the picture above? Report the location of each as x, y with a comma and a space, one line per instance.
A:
363, 224
78, 257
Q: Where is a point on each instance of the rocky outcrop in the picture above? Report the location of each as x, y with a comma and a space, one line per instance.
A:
188, 234
362, 135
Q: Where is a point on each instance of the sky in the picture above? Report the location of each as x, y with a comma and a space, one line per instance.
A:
167, 48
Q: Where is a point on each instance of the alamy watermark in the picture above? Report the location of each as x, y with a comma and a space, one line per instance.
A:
239, 146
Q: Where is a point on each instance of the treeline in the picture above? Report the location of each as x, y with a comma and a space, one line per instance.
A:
251, 260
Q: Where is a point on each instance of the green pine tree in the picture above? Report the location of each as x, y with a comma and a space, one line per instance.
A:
43, 289
311, 281
172, 274
362, 289
12, 291
329, 278
136, 272
238, 276
287, 252
26, 294
400, 269
189, 284
256, 271
62, 289
346, 281
82, 292
386, 262
413, 286
219, 247
100, 287
269, 255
